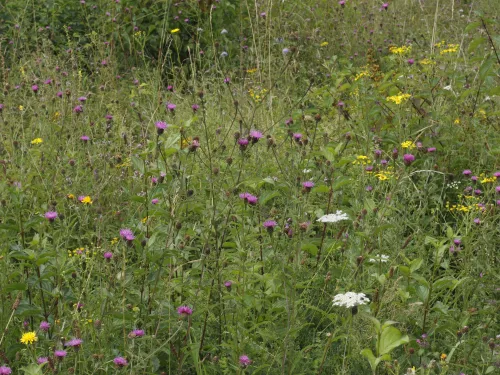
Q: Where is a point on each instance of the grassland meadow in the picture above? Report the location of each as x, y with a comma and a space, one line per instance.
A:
250, 187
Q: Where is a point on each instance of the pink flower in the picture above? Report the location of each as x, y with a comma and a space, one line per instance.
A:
245, 361
184, 310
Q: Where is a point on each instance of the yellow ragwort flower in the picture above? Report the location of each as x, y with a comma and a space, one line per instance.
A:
86, 200
408, 144
28, 338
70, 196
175, 31
324, 44
457, 121
37, 141
443, 357
403, 50
398, 99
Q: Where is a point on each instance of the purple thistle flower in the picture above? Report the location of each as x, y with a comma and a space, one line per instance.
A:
184, 310
228, 285
60, 354
171, 107
4, 370
160, 127
342, 3
125, 232
74, 343
269, 224
48, 81
377, 153
496, 175
369, 168
255, 135
227, 80
411, 61
51, 216
195, 107
477, 221
120, 362
44, 326
467, 172
408, 159
297, 137
82, 99
474, 178
289, 121
170, 88
34, 88
136, 333
478, 192
85, 138
308, 185
78, 109
59, 94
42, 360
497, 189
244, 360
431, 149
108, 117
369, 188
155, 201
243, 142
252, 200
108, 255
385, 6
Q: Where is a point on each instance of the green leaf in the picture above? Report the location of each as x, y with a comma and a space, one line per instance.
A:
485, 68
472, 25
390, 339
33, 369
138, 164
368, 354
15, 286
321, 189
267, 197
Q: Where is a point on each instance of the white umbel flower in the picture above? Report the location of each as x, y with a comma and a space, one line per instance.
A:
380, 258
333, 218
350, 299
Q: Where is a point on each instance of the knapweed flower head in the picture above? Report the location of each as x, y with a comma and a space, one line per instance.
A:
82, 99
408, 159
42, 360
350, 299
4, 370
29, 338
78, 109
85, 138
270, 224
333, 218
195, 107
120, 362
467, 172
255, 135
60, 353
244, 360
307, 185
34, 88
44, 326
161, 126
74, 343
51, 215
297, 136
155, 201
171, 107
184, 310
249, 198
136, 333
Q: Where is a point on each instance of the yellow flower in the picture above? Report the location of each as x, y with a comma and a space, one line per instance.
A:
175, 31
457, 121
37, 141
251, 71
56, 116
381, 176
443, 357
408, 144
136, 309
114, 241
324, 44
451, 49
185, 142
488, 179
403, 50
398, 99
21, 107
28, 338
144, 220
70, 196
86, 200
360, 75
427, 62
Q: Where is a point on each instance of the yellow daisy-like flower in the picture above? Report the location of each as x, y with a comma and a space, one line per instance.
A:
443, 357
144, 220
21, 108
400, 50
86, 200
408, 144
488, 179
251, 71
457, 121
114, 241
28, 338
37, 141
324, 44
175, 31
398, 99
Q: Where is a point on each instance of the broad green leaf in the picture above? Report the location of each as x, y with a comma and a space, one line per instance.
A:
390, 339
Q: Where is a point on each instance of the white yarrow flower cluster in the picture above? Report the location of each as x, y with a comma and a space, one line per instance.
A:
350, 299
380, 258
333, 218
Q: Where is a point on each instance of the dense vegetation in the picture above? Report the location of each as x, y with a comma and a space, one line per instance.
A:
230, 187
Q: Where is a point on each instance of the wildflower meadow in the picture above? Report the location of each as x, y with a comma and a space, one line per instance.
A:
235, 187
